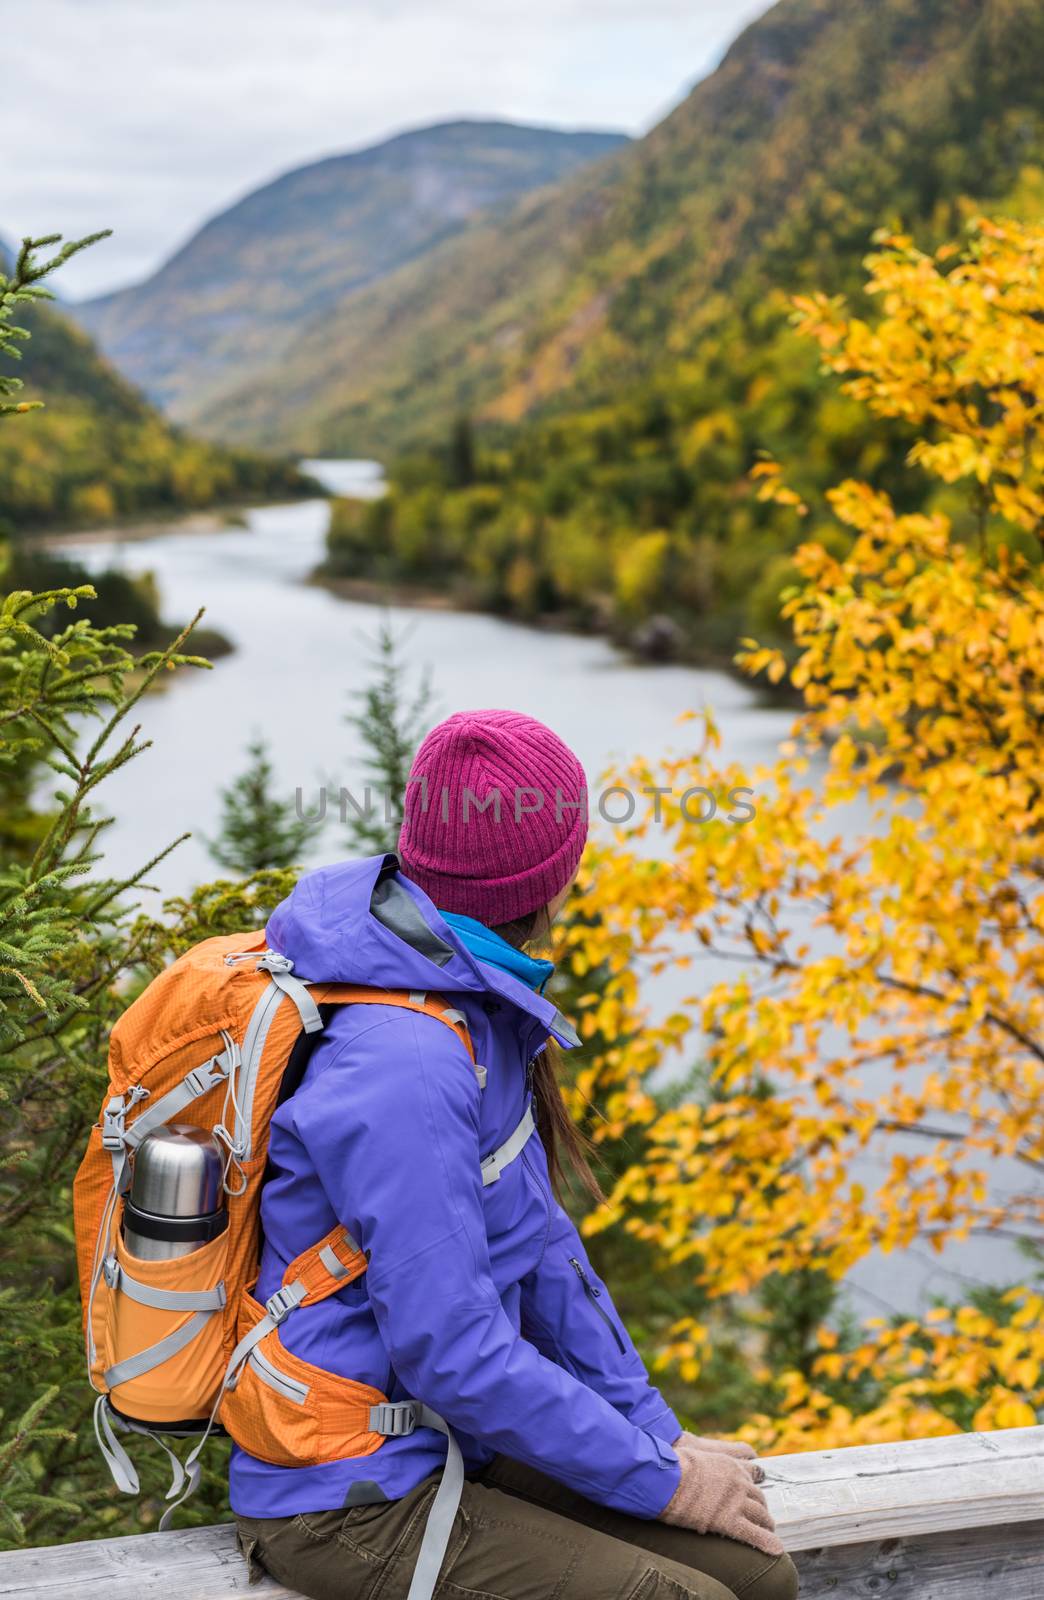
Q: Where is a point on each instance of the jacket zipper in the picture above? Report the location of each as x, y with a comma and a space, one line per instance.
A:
593, 1295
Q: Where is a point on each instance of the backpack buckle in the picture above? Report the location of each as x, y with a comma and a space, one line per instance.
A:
112, 1124
201, 1079
393, 1418
285, 1300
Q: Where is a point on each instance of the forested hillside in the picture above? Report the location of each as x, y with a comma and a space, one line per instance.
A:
98, 450
575, 394
234, 296
622, 347
825, 119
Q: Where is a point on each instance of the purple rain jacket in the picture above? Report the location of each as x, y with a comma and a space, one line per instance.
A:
479, 1302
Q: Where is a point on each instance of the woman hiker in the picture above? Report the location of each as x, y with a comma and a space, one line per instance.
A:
479, 1303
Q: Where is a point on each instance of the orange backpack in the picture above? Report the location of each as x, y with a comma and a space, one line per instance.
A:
180, 1346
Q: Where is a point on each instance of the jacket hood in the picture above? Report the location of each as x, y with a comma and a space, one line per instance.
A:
364, 922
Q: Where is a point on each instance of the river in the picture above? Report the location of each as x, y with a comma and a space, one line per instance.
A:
300, 653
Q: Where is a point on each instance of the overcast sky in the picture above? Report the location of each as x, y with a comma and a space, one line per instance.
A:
147, 116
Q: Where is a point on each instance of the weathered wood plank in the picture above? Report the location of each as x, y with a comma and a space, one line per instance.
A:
932, 1519
976, 1564
203, 1564
186, 1564
920, 1487
1010, 1444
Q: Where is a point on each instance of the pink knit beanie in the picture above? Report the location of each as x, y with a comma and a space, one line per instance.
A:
495, 816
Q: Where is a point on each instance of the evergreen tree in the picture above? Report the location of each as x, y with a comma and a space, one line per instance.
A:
20, 289
259, 831
70, 941
390, 722
462, 454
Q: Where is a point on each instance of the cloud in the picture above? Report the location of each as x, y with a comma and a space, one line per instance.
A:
148, 118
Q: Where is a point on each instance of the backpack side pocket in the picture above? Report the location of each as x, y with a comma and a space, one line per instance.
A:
163, 1333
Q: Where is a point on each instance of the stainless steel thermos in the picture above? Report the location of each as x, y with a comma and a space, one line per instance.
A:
176, 1199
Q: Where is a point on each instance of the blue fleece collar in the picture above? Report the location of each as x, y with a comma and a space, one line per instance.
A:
485, 945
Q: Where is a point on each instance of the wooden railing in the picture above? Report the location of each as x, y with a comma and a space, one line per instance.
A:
931, 1519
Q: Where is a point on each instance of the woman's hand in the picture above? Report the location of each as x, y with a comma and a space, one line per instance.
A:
718, 1493
724, 1447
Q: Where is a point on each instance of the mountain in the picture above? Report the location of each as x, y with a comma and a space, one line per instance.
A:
238, 291
99, 450
572, 400
826, 119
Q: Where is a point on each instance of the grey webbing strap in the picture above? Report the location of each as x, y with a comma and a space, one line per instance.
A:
121, 1171
101, 1245
280, 970
277, 1307
393, 1419
114, 1133
311, 1021
163, 1299
156, 1353
180, 1477
257, 1028
186, 1477
114, 1140
117, 1460
122, 1467
333, 1264
494, 1164
439, 1525
196, 1082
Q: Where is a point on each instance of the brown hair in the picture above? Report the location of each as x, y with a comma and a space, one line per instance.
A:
568, 1149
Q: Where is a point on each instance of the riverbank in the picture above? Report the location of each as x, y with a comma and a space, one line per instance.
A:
151, 524
653, 647
371, 552
656, 641
373, 592
197, 523
120, 597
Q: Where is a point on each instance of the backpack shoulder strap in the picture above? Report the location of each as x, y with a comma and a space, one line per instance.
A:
409, 1000
325, 1267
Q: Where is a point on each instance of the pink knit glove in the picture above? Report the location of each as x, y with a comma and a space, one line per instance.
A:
718, 1494
723, 1447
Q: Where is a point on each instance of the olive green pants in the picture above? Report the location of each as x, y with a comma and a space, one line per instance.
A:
517, 1536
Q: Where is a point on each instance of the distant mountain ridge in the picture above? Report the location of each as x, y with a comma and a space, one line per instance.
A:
571, 405
824, 120
234, 296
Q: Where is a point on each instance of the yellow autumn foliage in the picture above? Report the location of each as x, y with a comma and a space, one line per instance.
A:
886, 984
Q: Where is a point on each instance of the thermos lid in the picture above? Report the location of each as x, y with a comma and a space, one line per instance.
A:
177, 1172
